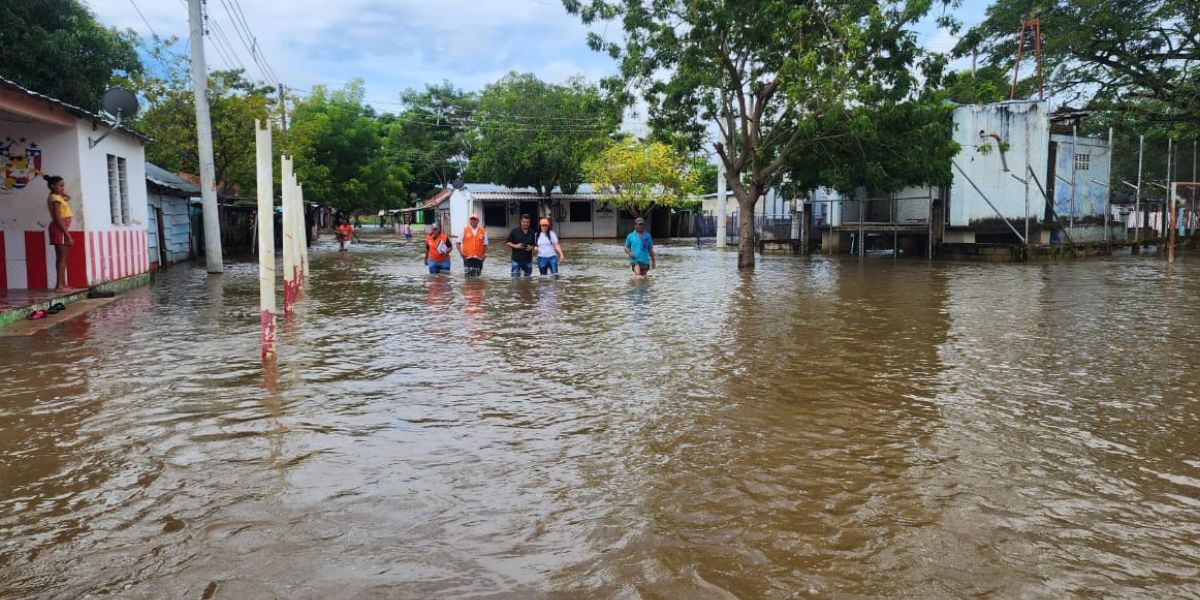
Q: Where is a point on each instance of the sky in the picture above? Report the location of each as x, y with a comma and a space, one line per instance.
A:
397, 44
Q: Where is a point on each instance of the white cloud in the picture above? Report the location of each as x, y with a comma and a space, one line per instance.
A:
391, 44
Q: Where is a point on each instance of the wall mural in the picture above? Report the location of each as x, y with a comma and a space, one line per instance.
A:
20, 163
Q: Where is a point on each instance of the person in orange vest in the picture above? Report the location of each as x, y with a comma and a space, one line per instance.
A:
473, 246
437, 250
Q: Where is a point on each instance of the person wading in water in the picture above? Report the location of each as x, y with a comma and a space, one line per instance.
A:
472, 246
522, 241
640, 248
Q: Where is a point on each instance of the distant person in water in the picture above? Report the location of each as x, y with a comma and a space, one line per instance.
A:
472, 246
60, 227
437, 250
640, 249
522, 242
549, 252
344, 233
407, 232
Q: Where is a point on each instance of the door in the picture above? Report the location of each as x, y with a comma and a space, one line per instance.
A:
531, 209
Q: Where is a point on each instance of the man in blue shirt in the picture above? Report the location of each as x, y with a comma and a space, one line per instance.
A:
640, 248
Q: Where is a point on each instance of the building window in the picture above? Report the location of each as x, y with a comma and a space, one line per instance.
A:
581, 212
1082, 161
495, 214
118, 190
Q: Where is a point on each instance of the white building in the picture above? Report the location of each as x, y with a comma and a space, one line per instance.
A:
40, 135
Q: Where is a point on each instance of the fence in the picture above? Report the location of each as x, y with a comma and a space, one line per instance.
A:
911, 210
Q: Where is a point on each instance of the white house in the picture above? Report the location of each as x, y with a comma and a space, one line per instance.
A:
582, 214
40, 135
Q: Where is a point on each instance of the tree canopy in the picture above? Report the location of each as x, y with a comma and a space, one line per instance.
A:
638, 176
770, 73
337, 141
1137, 56
169, 118
536, 134
429, 135
57, 48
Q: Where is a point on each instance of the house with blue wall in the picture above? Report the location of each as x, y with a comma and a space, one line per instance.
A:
169, 226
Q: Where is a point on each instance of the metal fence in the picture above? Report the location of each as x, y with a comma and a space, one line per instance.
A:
913, 210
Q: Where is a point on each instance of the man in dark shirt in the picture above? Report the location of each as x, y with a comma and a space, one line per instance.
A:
522, 242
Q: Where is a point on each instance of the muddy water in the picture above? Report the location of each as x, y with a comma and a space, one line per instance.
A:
820, 428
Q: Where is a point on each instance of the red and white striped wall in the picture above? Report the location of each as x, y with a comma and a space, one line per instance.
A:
96, 257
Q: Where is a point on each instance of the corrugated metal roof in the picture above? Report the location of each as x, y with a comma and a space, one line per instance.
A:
485, 196
478, 188
164, 178
75, 110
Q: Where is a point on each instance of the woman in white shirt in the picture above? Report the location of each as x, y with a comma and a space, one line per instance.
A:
549, 253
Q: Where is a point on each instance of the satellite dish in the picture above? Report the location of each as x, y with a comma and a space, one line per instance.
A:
119, 103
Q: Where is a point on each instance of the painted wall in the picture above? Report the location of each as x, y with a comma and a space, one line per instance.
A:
1090, 196
1015, 122
24, 216
114, 251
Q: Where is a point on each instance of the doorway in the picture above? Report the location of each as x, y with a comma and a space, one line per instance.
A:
162, 239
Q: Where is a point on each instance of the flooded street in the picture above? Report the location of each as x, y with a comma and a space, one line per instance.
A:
819, 428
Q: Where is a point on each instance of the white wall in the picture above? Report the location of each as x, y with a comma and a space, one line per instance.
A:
25, 209
1011, 121
130, 256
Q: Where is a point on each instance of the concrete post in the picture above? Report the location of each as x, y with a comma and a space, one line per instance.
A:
289, 246
208, 190
266, 239
722, 210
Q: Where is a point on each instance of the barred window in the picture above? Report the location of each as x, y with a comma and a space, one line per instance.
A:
118, 190
1082, 161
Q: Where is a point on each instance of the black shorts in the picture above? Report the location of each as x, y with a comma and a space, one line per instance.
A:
472, 266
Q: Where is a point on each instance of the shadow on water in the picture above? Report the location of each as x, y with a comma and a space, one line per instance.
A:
817, 428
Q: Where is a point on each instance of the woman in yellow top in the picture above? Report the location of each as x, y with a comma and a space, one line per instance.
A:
60, 227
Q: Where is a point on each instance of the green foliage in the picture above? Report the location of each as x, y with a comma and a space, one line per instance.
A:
706, 175
536, 134
638, 176
338, 145
778, 77
986, 85
883, 148
169, 118
432, 135
1129, 56
56, 47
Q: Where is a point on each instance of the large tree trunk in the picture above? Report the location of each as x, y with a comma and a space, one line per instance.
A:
746, 198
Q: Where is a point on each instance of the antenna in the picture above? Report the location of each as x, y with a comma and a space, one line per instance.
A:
119, 103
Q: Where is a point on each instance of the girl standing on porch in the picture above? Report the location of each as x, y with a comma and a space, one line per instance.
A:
60, 227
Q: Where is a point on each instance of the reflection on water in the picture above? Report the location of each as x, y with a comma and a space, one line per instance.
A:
817, 428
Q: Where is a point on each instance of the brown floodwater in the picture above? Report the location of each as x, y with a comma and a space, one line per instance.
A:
819, 428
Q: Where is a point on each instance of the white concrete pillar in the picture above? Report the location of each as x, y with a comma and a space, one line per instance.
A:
266, 238
722, 211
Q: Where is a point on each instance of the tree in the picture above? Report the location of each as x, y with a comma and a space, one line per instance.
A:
1125, 55
337, 142
536, 134
169, 118
768, 72
432, 135
638, 176
706, 174
57, 48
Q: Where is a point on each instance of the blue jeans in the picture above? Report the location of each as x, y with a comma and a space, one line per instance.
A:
438, 267
518, 267
548, 264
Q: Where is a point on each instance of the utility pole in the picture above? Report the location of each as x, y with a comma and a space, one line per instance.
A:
1137, 198
722, 209
208, 191
283, 116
